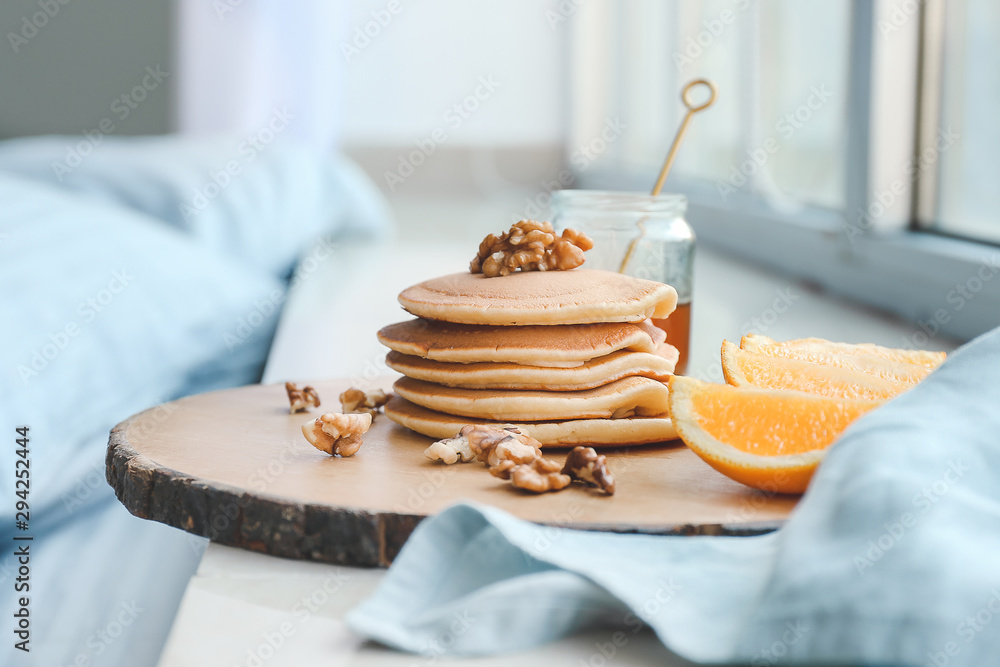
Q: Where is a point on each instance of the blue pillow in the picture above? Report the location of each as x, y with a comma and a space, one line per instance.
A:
107, 311
116, 298
259, 202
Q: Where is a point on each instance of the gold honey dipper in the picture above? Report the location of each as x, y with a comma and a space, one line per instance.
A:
692, 109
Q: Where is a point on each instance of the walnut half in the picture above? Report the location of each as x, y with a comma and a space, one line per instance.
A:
509, 453
337, 434
489, 444
357, 400
539, 475
492, 445
450, 450
301, 399
586, 465
530, 245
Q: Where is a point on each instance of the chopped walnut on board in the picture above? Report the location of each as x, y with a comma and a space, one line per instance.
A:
337, 434
586, 465
530, 245
493, 445
301, 400
450, 450
489, 444
357, 400
539, 475
511, 454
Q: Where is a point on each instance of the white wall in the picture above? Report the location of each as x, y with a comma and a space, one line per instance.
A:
431, 55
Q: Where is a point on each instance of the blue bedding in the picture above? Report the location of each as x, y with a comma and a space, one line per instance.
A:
124, 284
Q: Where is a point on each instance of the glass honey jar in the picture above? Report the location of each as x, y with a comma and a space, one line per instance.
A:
651, 231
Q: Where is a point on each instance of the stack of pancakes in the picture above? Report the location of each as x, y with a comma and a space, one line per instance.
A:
569, 355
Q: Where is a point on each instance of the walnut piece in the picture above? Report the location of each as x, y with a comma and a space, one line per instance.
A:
509, 453
539, 475
450, 450
301, 399
356, 400
336, 433
491, 444
530, 245
584, 464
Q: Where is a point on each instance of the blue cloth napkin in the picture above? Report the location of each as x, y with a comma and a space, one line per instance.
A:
892, 557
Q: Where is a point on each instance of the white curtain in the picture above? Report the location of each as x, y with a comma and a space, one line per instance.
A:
240, 62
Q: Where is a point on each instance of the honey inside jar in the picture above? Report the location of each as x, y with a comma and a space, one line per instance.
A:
646, 233
678, 330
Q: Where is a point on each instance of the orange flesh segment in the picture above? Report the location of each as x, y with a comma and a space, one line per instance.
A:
773, 423
769, 439
862, 362
743, 367
924, 358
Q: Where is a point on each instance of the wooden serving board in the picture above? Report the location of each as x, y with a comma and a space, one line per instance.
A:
233, 466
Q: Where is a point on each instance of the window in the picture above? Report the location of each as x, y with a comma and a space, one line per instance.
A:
827, 153
969, 197
777, 129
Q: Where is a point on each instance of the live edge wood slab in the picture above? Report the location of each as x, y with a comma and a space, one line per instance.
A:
233, 466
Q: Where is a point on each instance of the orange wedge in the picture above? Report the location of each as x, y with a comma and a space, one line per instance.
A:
819, 350
744, 368
769, 439
862, 362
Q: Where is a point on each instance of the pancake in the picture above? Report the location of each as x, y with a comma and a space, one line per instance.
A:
570, 433
633, 395
579, 296
549, 346
593, 373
